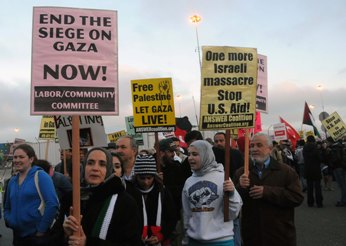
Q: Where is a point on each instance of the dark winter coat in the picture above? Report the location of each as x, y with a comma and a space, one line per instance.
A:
312, 161
270, 220
125, 227
236, 159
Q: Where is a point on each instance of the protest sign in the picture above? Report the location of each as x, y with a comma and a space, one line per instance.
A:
131, 130
92, 132
280, 132
47, 128
113, 137
74, 62
153, 105
228, 89
335, 126
262, 85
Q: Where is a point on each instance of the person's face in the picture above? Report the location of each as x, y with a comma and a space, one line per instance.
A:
125, 150
116, 166
177, 144
21, 161
194, 158
259, 149
219, 141
68, 154
145, 181
167, 155
96, 167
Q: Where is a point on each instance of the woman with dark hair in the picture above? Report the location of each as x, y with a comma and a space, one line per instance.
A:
29, 224
109, 215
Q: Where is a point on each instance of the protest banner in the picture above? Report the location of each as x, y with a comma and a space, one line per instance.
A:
74, 62
280, 132
228, 88
335, 126
131, 131
153, 105
47, 128
228, 93
262, 85
91, 132
113, 137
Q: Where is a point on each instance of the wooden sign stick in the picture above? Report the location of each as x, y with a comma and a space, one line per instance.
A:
246, 153
227, 168
76, 169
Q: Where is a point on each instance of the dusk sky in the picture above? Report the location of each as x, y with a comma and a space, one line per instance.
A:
304, 42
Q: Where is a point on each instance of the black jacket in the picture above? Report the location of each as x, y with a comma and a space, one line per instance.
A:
125, 227
312, 161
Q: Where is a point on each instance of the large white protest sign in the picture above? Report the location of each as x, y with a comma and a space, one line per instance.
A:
92, 131
74, 62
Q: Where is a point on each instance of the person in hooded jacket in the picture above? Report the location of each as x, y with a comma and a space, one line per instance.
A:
202, 198
21, 211
109, 215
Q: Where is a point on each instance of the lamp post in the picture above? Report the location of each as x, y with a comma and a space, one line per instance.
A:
178, 99
195, 19
320, 88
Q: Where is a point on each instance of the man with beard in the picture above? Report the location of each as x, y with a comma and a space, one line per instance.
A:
270, 192
127, 149
174, 176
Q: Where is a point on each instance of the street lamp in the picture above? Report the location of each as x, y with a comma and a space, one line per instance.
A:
320, 88
179, 98
195, 19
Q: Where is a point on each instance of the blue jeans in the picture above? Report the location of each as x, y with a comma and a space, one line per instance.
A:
236, 231
340, 177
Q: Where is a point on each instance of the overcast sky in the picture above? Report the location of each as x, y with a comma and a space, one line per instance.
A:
303, 40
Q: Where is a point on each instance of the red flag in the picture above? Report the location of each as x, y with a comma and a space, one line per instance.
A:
292, 134
258, 123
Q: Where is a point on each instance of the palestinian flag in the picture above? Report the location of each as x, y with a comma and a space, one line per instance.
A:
308, 119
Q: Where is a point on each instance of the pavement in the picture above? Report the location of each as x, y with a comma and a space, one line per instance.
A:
315, 226
322, 226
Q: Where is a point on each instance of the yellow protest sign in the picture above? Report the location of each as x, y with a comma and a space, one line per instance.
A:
153, 105
47, 128
228, 87
335, 126
113, 137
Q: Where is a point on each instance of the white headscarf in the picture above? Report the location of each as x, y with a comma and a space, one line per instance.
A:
208, 163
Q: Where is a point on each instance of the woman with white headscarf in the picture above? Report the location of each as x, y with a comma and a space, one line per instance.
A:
202, 198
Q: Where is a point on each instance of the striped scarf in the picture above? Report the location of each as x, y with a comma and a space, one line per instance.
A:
104, 219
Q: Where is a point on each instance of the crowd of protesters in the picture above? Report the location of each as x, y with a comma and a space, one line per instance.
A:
318, 163
172, 195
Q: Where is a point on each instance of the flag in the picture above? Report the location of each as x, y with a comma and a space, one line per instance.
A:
308, 119
292, 134
258, 123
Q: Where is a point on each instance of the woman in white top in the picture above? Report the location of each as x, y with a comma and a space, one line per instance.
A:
202, 198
